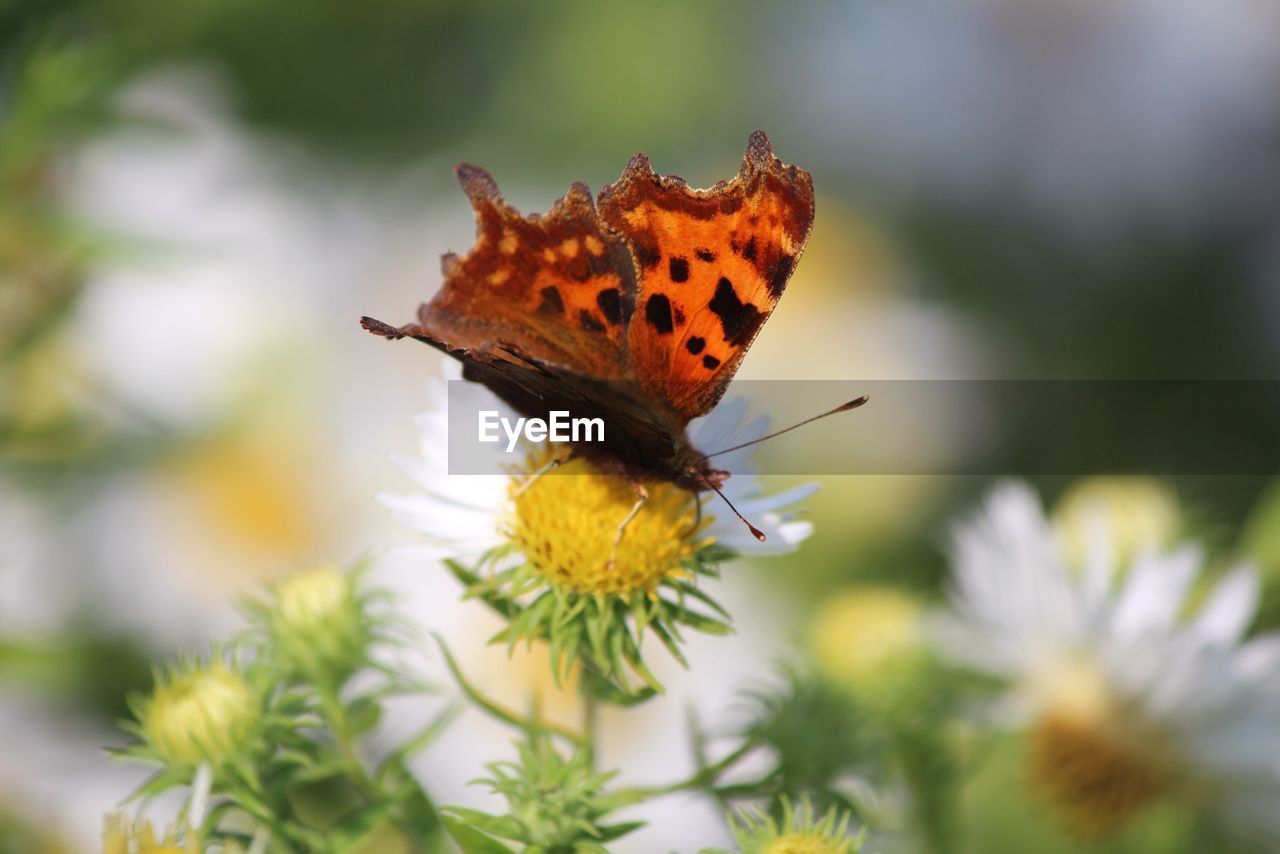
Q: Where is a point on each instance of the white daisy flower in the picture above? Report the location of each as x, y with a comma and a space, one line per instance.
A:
1127, 699
464, 515
556, 563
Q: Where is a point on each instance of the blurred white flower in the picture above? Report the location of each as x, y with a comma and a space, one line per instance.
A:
1127, 699
463, 515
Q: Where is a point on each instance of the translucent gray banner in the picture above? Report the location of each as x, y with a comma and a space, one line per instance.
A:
970, 427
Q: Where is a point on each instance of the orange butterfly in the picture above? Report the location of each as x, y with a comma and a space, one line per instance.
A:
636, 308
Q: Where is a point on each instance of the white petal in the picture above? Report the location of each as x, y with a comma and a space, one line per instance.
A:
1154, 593
1259, 659
776, 501
443, 522
1230, 608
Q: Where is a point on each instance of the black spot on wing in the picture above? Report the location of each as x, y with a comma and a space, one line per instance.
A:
647, 254
551, 302
710, 362
695, 344
705, 254
588, 321
610, 302
657, 311
679, 268
739, 320
777, 275
749, 251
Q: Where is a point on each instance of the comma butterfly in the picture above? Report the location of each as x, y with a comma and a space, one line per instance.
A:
637, 307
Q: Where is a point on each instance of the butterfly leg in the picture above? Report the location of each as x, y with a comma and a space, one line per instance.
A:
642, 495
697, 519
550, 465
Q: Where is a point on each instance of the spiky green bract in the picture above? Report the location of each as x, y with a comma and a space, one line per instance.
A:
202, 712
295, 773
817, 734
556, 803
799, 831
602, 632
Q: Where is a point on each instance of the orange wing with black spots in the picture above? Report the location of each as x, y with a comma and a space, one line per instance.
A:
559, 288
712, 266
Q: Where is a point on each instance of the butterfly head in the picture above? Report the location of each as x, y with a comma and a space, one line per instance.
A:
701, 477
696, 475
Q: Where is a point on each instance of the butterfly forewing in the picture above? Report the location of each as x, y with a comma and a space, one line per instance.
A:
637, 311
712, 265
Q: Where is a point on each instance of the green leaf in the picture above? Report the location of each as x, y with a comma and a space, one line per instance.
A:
363, 715
705, 624
610, 693
464, 830
610, 832
701, 595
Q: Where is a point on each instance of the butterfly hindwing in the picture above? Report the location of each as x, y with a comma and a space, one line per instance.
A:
712, 265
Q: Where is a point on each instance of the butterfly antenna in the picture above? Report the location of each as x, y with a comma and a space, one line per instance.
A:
755, 532
844, 407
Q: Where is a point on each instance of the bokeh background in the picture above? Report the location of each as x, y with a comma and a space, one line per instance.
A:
198, 200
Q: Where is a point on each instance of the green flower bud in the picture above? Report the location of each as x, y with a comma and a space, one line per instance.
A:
205, 714
318, 622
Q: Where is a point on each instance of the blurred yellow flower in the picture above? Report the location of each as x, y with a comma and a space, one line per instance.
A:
121, 836
566, 525
253, 490
198, 714
862, 635
1129, 515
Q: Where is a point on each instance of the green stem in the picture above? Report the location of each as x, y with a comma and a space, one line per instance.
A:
701, 778
533, 724
590, 719
335, 714
252, 798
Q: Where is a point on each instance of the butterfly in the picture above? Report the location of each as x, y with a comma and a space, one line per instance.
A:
636, 307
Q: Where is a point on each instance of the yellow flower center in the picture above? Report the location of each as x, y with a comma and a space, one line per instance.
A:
1091, 765
861, 635
120, 836
566, 524
200, 715
806, 843
250, 490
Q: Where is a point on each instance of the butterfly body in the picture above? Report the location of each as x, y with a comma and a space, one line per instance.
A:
636, 307
640, 443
